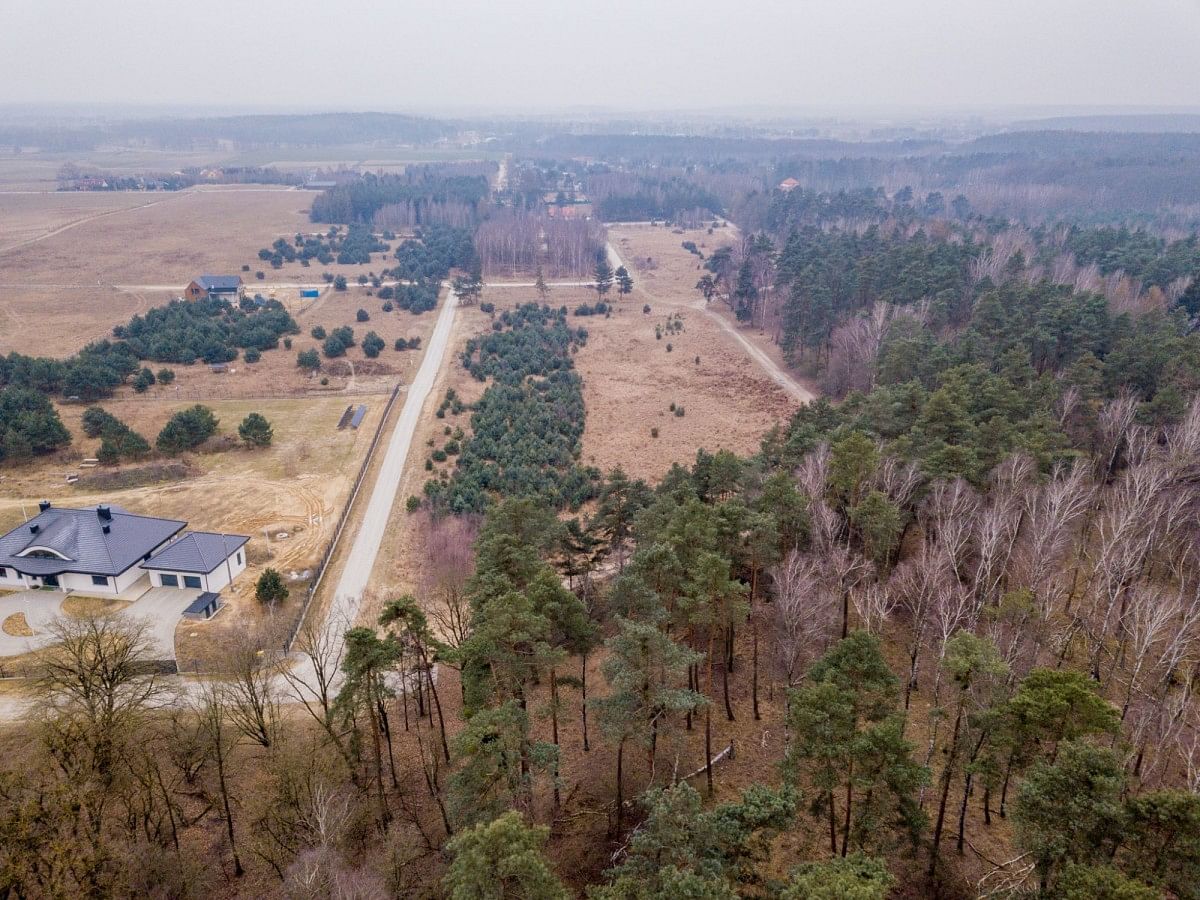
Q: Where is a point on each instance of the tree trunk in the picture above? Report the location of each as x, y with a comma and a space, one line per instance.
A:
725, 691
438, 703
387, 736
220, 753
620, 785
962, 814
1004, 787
832, 825
583, 705
754, 666
947, 775
692, 685
554, 706
384, 812
708, 717
849, 809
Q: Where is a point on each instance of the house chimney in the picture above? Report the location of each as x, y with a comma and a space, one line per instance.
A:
34, 528
43, 505
106, 528
104, 512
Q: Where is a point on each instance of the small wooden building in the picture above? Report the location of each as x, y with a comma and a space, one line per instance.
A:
230, 286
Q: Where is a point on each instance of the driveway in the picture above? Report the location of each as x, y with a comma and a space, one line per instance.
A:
162, 607
40, 608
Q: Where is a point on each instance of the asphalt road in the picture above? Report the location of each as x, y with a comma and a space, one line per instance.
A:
356, 572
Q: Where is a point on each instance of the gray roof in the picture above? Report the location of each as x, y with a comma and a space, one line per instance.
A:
196, 551
82, 545
203, 602
219, 282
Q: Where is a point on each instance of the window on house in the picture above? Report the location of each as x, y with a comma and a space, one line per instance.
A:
168, 580
239, 559
191, 581
99, 581
3, 572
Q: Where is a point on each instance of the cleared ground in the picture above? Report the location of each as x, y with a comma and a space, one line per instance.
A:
73, 265
664, 270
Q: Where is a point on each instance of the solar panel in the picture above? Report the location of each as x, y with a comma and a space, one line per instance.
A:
358, 417
345, 419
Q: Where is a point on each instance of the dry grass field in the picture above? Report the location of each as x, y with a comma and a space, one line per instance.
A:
74, 265
299, 486
664, 270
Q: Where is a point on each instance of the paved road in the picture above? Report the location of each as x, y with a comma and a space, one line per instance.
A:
356, 572
40, 608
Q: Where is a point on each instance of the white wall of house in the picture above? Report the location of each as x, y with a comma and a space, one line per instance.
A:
117, 584
214, 581
10, 580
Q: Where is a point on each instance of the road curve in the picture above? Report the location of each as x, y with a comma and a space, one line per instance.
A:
776, 372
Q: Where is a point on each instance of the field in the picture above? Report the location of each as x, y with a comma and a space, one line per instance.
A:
66, 251
74, 265
664, 270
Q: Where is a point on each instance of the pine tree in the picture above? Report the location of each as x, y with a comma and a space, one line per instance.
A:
603, 273
643, 668
270, 587
255, 431
502, 860
624, 281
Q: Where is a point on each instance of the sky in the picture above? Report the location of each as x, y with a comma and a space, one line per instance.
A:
535, 56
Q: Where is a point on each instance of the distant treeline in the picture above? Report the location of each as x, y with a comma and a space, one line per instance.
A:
423, 190
622, 197
243, 132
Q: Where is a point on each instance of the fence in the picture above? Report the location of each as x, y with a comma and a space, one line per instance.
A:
319, 575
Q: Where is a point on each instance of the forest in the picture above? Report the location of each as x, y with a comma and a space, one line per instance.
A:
210, 330
423, 190
525, 430
352, 247
519, 240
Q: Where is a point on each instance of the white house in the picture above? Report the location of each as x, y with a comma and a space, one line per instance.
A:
198, 559
108, 550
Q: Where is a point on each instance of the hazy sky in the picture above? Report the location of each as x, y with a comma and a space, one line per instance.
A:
546, 54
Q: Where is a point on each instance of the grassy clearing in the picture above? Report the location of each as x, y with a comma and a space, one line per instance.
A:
16, 626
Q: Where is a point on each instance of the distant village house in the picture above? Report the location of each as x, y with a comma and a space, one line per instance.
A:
228, 286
